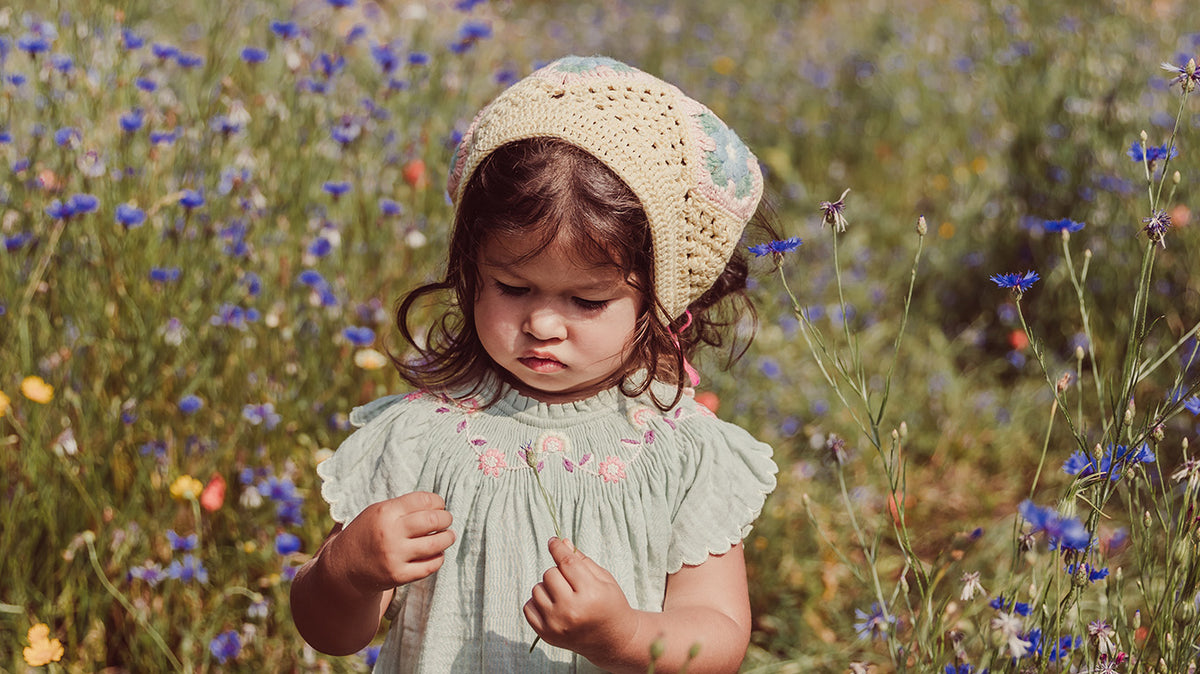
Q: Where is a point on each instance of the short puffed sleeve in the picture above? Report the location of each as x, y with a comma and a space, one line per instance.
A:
377, 462
727, 475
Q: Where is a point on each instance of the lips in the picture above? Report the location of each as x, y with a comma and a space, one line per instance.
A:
541, 364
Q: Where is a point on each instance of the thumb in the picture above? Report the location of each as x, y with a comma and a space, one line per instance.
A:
562, 550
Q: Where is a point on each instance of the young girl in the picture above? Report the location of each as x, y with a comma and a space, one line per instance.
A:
598, 217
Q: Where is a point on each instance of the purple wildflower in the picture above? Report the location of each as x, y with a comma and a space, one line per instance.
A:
1157, 226
286, 544
1064, 225
253, 55
225, 646
188, 570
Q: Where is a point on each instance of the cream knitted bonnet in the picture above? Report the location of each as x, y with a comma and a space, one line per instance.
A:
698, 183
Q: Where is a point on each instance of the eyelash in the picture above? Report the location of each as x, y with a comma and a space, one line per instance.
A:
590, 306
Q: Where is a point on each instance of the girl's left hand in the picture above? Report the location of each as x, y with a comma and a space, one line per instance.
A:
579, 606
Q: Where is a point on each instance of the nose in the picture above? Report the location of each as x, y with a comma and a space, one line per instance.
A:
545, 324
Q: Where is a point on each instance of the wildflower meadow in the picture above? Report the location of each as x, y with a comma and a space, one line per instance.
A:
976, 356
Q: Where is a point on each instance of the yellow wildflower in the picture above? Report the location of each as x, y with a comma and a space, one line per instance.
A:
186, 488
5, 404
42, 650
37, 390
369, 359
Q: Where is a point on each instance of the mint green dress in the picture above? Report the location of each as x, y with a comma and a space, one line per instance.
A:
640, 491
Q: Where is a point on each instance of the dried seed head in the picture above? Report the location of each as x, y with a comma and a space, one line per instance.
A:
923, 227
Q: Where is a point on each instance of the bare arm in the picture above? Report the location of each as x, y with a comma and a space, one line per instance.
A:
340, 595
579, 606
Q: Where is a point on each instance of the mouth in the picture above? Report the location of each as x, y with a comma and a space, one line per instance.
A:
541, 365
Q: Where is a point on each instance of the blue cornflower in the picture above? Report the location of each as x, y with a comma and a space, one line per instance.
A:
776, 247
328, 66
1151, 153
225, 646
286, 544
340, 4
1192, 405
145, 84
233, 316
359, 335
188, 570
17, 241
356, 33
192, 199
59, 210
131, 40
62, 63
67, 136
418, 58
284, 30
963, 668
336, 188
186, 60
320, 247
165, 137
1064, 225
33, 44
370, 654
1066, 532
467, 5
873, 625
287, 500
163, 51
390, 207
149, 572
164, 274
253, 55
83, 203
261, 415
311, 278
252, 283
182, 543
1114, 463
1018, 282
470, 33
385, 57
1093, 574
5, 138
223, 125
130, 216
132, 120
346, 130
190, 403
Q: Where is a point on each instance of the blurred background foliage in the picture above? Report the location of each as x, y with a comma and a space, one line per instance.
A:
163, 342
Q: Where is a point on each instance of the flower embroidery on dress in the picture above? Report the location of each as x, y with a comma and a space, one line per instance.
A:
491, 462
552, 443
640, 415
612, 469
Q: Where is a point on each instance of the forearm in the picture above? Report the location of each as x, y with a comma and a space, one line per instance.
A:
333, 615
720, 642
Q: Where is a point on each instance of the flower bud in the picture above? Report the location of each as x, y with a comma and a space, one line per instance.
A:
1191, 67
903, 430
1137, 619
1129, 415
923, 227
1181, 552
694, 651
1063, 382
1157, 433
1175, 177
895, 435
1147, 520
1080, 577
1145, 136
1079, 353
1184, 443
656, 649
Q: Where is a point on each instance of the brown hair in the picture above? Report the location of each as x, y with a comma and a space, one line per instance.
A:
550, 190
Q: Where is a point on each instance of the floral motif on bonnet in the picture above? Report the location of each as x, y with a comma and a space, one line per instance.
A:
698, 182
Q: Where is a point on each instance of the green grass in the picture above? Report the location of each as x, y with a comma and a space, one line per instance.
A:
974, 115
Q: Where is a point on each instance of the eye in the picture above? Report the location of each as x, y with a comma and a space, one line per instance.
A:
513, 291
590, 305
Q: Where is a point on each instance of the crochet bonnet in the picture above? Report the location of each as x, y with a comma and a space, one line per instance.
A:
698, 183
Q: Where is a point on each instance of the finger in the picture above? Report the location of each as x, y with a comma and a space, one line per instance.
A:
533, 616
575, 566
540, 597
421, 500
424, 522
417, 570
429, 546
556, 584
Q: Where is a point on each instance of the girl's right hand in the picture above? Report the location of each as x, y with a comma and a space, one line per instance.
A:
394, 542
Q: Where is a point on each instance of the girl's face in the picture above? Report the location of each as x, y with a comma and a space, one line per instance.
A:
560, 329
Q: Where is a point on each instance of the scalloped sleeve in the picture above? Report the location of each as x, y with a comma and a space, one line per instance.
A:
377, 461
727, 477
